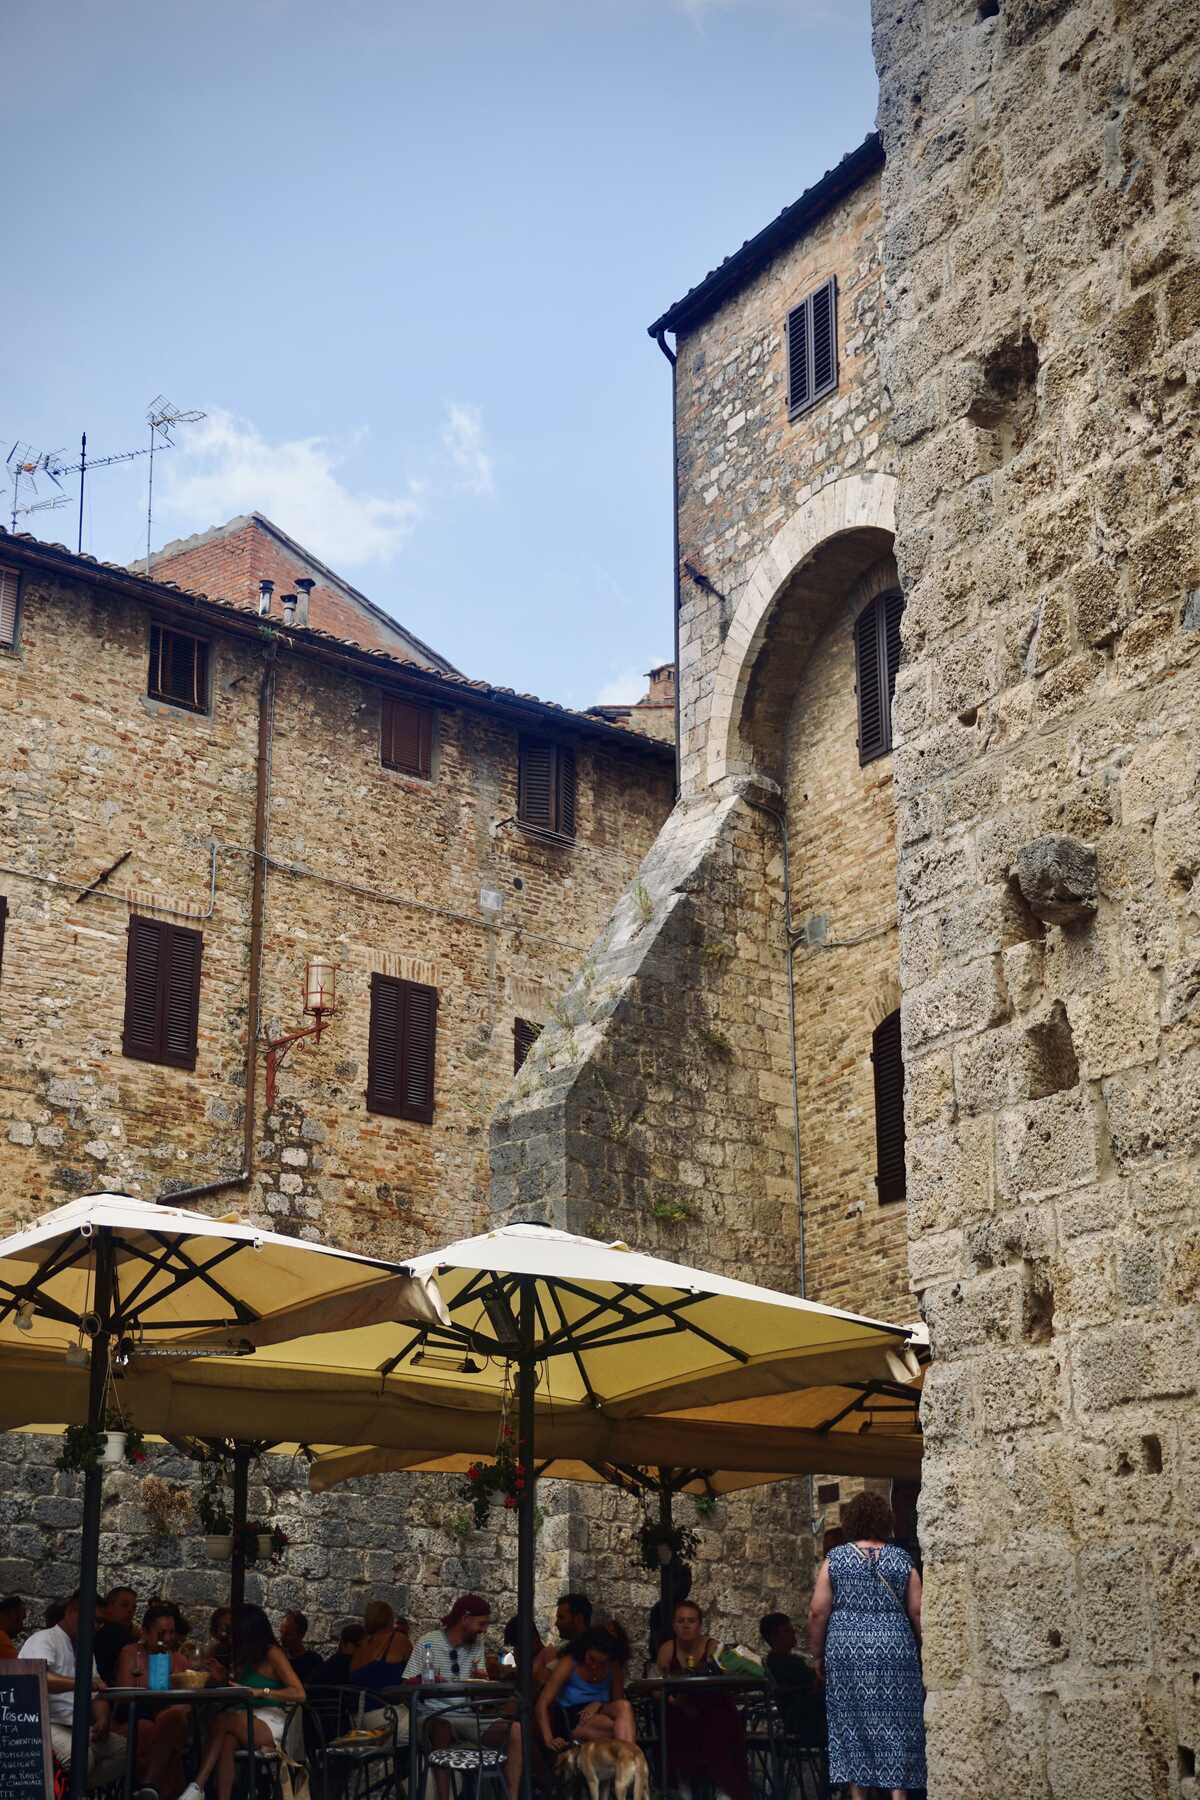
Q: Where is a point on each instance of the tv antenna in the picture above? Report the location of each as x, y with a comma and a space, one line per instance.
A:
23, 461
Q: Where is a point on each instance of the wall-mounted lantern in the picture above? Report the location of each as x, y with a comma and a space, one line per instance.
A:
320, 1003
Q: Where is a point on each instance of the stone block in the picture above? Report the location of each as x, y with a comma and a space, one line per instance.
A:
1047, 1145
1057, 878
1113, 1605
957, 1001
1018, 1390
1026, 1611
1114, 1740
1135, 1362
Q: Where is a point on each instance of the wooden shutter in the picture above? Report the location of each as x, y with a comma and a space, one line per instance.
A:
823, 328
812, 347
402, 1049
889, 1109
406, 738
799, 380
178, 669
536, 784
525, 1036
162, 992
892, 607
873, 735
10, 587
565, 792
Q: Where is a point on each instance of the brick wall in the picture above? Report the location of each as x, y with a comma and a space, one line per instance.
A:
1043, 346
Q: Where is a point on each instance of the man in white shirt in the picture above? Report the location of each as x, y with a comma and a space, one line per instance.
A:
454, 1654
56, 1648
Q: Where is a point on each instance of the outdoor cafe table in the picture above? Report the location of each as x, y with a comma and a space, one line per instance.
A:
664, 1686
156, 1699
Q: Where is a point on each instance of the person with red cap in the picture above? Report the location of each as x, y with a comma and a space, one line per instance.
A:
456, 1653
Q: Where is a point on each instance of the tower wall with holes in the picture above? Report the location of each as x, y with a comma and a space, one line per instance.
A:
1042, 343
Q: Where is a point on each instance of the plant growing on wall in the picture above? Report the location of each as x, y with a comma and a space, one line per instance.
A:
168, 1508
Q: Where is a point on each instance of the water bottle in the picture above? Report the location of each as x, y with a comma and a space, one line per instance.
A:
428, 1671
158, 1671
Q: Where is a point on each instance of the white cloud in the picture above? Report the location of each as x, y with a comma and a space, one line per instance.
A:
462, 436
225, 466
623, 689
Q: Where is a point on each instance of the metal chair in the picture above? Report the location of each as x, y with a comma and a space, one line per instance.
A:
485, 1762
353, 1768
259, 1771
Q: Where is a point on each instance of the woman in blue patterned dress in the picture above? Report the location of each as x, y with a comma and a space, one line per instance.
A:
864, 1628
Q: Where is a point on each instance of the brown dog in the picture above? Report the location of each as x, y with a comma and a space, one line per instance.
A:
606, 1760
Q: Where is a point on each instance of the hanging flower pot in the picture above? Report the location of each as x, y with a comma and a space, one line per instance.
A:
219, 1546
265, 1540
112, 1447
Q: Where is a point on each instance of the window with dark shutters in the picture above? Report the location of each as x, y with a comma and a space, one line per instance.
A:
162, 992
812, 348
546, 787
178, 669
402, 1049
525, 1036
889, 1109
10, 590
406, 736
877, 662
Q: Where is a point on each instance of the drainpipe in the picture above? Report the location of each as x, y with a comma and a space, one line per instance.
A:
661, 341
258, 895
791, 937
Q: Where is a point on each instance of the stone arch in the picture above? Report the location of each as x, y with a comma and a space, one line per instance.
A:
884, 1001
855, 514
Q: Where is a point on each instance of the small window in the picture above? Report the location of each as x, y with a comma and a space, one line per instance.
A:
406, 737
546, 788
10, 593
178, 669
889, 1109
402, 1049
877, 659
812, 348
162, 992
525, 1036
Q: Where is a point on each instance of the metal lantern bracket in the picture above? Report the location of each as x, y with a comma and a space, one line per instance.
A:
320, 1000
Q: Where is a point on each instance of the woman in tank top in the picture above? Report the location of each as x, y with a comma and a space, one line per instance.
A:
258, 1663
584, 1699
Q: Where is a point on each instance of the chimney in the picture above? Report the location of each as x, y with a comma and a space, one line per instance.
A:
288, 603
265, 590
306, 584
662, 685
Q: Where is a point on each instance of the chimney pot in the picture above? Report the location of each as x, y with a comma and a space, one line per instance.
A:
306, 584
288, 602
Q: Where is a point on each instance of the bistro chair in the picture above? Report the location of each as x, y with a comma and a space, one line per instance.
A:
482, 1763
344, 1765
259, 1772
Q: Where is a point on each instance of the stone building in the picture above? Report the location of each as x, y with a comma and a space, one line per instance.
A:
451, 847
1042, 344
654, 712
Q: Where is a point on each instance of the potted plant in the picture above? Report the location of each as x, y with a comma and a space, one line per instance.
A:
117, 1441
214, 1517
168, 1508
662, 1544
484, 1481
279, 1543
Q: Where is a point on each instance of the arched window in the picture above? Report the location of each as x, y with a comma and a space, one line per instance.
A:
889, 1109
877, 660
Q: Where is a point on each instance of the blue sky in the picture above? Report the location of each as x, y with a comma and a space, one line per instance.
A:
404, 256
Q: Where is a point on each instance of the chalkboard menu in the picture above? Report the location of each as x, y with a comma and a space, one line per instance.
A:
26, 1770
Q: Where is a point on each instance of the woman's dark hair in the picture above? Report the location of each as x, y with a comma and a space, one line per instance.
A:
214, 1624
693, 1604
252, 1637
353, 1632
769, 1624
595, 1639
868, 1516
160, 1609
620, 1638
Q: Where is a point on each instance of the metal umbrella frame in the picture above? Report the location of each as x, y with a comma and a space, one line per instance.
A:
139, 1281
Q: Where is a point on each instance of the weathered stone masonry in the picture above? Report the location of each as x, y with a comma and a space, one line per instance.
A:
1042, 344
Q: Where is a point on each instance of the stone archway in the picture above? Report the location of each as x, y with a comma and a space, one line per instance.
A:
856, 503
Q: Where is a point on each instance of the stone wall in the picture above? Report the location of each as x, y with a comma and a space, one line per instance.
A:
1043, 348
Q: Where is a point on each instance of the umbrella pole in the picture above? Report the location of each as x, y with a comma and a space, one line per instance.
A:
89, 1544
666, 1572
525, 1544
237, 1564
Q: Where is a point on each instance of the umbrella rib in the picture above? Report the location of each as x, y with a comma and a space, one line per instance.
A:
859, 1401
154, 1267
578, 1359
192, 1271
63, 1256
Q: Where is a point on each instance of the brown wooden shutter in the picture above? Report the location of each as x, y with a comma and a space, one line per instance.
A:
10, 587
565, 792
873, 734
892, 607
889, 1109
402, 1049
162, 992
406, 741
178, 669
535, 786
823, 333
525, 1036
799, 377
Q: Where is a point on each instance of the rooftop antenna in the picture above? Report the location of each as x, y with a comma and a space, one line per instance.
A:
24, 460
162, 417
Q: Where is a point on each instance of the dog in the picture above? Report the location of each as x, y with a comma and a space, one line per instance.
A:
606, 1760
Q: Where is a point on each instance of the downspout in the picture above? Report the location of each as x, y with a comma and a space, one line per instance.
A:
661, 341
791, 938
262, 797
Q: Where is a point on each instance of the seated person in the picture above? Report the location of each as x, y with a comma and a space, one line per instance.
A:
508, 1662
385, 1647
219, 1649
56, 1647
258, 1662
161, 1735
801, 1701
114, 1629
456, 1653
572, 1617
12, 1624
335, 1670
308, 1665
706, 1739
584, 1699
